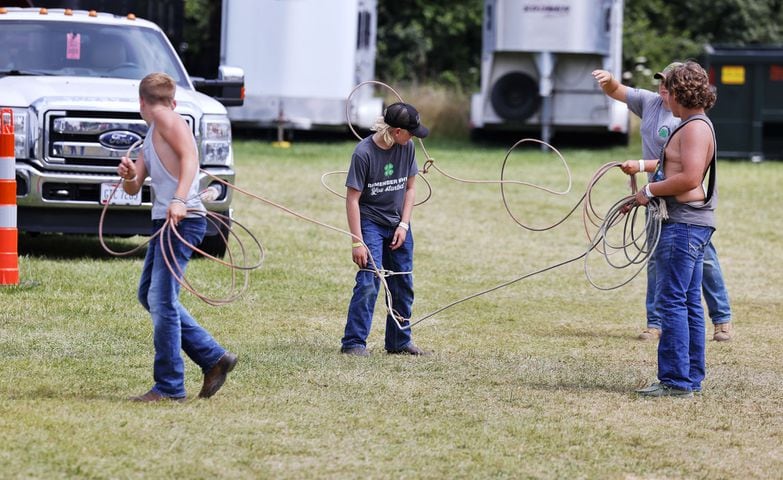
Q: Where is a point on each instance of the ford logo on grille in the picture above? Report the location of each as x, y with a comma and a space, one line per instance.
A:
118, 139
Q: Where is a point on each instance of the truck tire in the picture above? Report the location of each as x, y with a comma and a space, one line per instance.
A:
515, 96
214, 244
618, 139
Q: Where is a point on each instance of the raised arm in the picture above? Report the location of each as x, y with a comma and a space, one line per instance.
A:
610, 85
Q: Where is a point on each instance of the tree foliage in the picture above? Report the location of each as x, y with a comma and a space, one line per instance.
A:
439, 41
423, 41
202, 37
656, 32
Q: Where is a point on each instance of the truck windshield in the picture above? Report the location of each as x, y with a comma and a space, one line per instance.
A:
86, 50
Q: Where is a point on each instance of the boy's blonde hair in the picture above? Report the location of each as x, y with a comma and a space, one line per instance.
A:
157, 88
384, 129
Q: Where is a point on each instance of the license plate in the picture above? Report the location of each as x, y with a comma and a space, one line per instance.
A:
120, 197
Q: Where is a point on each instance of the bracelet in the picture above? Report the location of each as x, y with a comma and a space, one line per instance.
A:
641, 166
403, 226
181, 200
129, 180
357, 244
647, 192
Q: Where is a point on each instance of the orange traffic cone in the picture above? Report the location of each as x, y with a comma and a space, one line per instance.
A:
9, 253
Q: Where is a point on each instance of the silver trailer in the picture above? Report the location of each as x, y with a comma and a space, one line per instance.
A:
536, 64
302, 59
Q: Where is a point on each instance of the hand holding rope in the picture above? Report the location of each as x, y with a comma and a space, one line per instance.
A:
177, 211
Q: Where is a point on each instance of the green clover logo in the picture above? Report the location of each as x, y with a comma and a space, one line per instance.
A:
388, 170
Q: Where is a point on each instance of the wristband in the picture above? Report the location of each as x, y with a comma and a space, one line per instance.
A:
641, 166
647, 192
129, 180
181, 200
357, 244
403, 226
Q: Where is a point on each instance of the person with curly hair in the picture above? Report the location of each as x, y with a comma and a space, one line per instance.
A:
657, 123
685, 179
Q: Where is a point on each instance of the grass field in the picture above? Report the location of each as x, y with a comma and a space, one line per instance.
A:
534, 380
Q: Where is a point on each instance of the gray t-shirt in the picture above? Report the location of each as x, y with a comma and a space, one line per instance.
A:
657, 122
382, 177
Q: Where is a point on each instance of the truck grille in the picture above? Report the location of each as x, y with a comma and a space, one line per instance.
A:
90, 141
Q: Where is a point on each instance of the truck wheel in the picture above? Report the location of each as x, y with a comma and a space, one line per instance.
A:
214, 244
515, 96
617, 138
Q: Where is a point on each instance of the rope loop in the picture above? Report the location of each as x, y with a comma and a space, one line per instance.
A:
166, 234
635, 244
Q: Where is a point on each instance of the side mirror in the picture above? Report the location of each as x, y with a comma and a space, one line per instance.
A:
228, 88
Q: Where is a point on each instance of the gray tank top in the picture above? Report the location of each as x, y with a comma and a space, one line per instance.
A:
164, 184
694, 213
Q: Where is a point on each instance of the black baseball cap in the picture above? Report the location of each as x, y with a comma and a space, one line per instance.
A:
402, 115
666, 71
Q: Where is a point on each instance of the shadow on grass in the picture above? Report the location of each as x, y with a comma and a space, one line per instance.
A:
44, 394
63, 247
614, 334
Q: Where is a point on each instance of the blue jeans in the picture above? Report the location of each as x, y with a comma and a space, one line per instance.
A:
714, 289
365, 292
172, 326
678, 264
715, 294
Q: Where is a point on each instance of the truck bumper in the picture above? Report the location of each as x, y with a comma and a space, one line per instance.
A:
70, 203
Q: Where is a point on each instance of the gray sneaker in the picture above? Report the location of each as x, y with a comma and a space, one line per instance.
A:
661, 390
409, 349
355, 351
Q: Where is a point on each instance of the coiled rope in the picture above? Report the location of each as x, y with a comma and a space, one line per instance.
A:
164, 236
168, 231
636, 246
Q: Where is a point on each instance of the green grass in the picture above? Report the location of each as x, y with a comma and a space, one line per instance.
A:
531, 381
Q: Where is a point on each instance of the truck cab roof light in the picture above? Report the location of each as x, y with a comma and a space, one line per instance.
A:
68, 12
131, 16
43, 11
92, 13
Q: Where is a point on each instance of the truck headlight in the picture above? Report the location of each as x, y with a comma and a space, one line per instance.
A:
215, 140
22, 133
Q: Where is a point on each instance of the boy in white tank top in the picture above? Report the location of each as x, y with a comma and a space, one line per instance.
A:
170, 159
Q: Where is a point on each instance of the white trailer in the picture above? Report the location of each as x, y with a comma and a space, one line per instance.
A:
537, 59
302, 59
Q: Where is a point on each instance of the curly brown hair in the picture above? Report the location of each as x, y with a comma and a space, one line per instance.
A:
690, 86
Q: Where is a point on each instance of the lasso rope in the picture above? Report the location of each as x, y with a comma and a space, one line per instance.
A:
164, 236
636, 246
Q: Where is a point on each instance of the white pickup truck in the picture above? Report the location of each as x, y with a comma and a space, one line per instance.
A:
71, 78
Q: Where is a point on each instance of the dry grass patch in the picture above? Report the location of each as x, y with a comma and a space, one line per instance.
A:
532, 381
